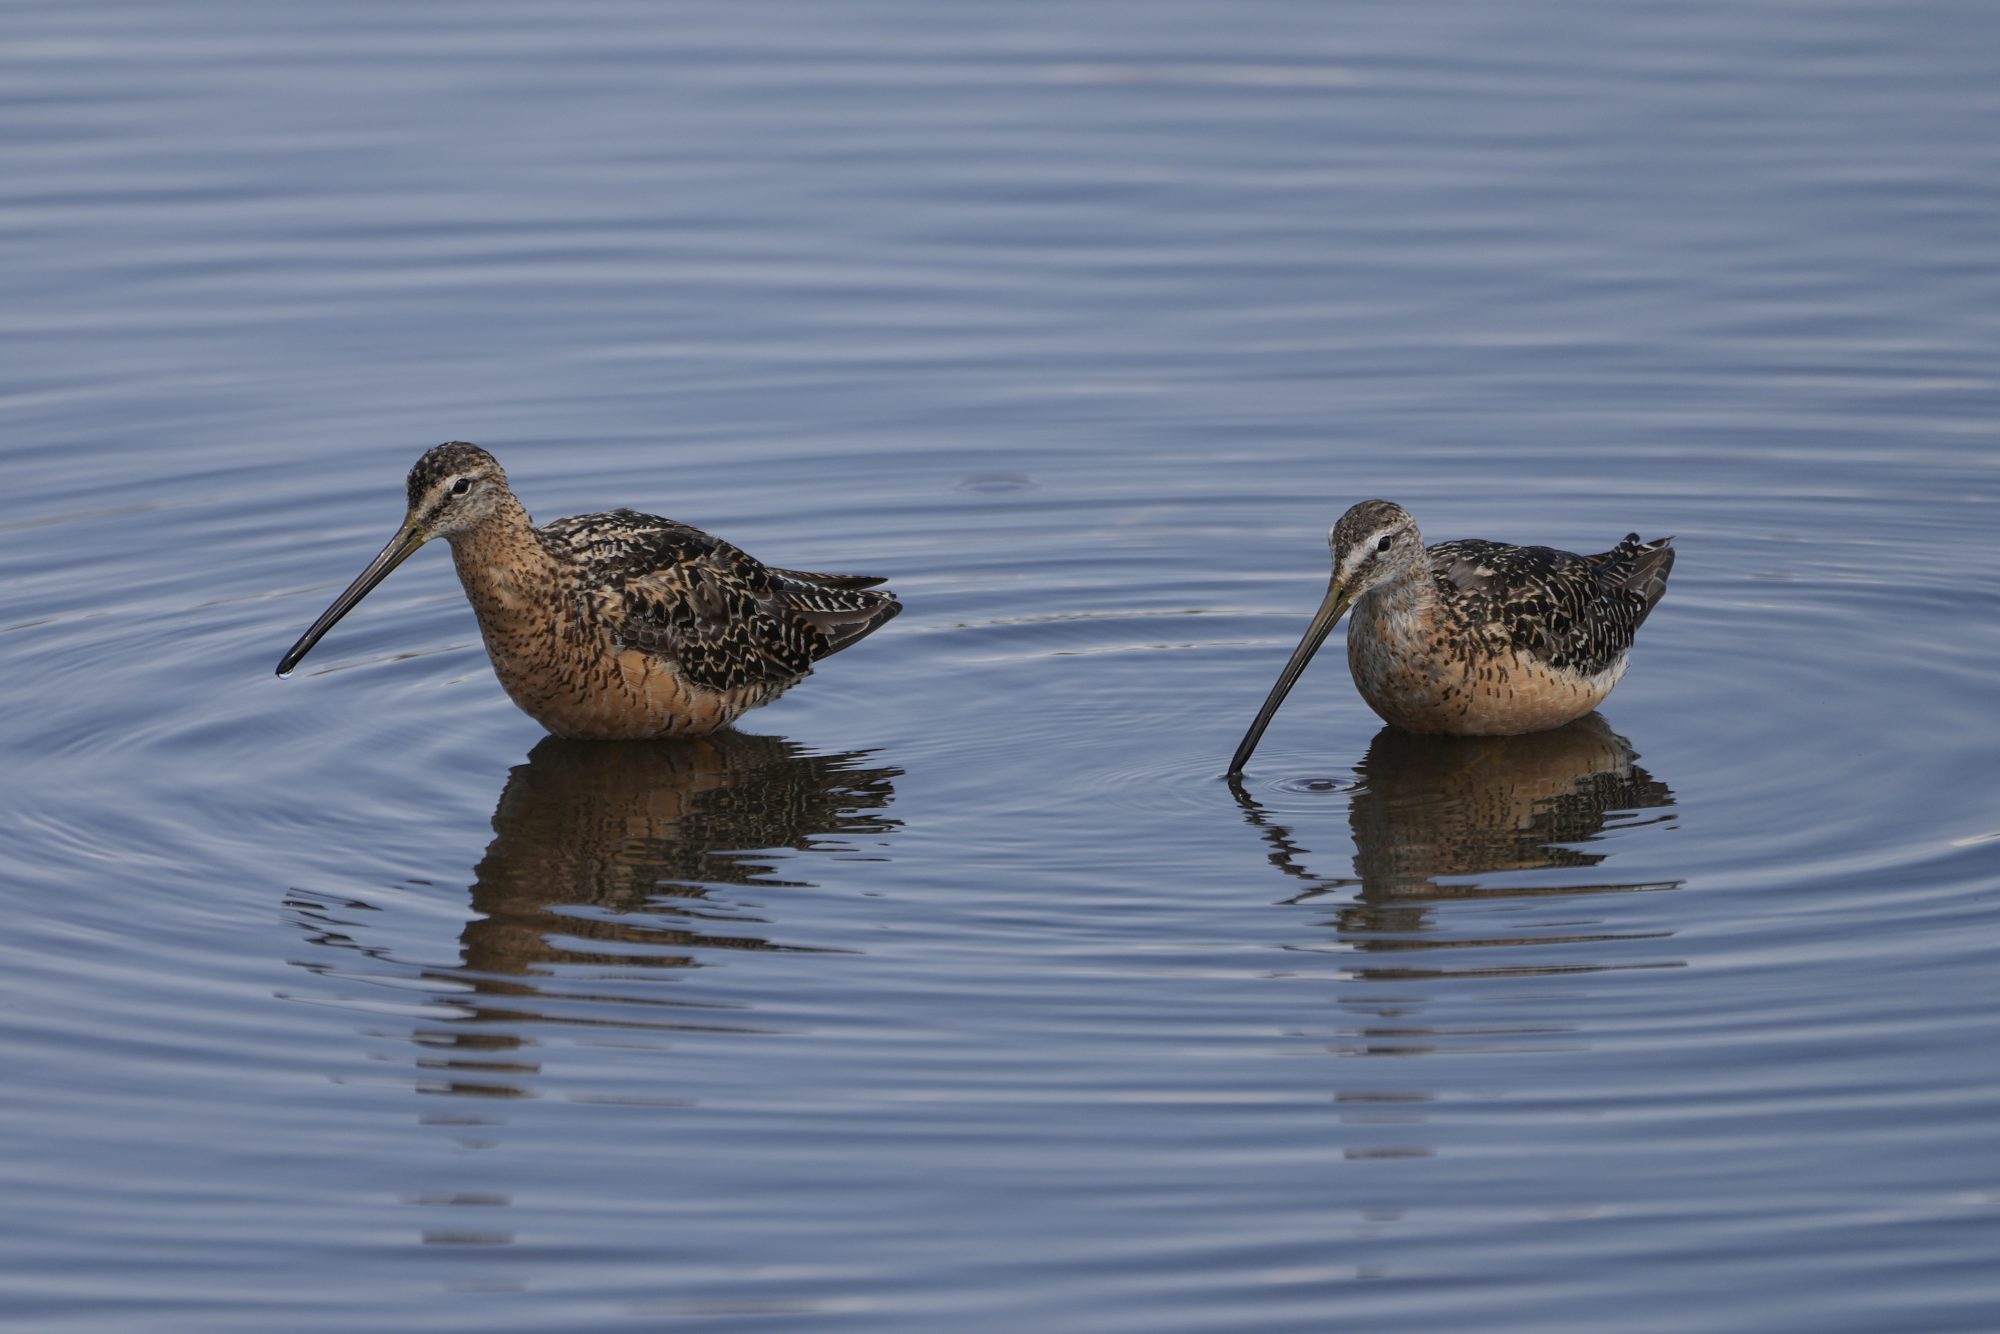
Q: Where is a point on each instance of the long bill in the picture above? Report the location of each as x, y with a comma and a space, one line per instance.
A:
406, 540
1323, 621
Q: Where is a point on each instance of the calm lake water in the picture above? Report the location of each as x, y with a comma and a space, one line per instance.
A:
958, 991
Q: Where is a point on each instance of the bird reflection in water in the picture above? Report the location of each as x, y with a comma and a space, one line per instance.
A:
608, 872
1438, 907
604, 869
1430, 815
596, 842
1443, 911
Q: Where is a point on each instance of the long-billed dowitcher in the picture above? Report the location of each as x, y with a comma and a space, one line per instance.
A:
619, 625
1474, 638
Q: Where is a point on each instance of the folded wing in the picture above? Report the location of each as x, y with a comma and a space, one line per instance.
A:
723, 617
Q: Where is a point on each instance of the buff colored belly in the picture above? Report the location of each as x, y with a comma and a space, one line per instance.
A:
603, 694
1438, 689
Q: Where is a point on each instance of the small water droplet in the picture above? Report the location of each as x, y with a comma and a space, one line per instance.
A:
997, 481
1315, 783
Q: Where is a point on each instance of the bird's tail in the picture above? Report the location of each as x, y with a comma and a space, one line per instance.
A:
1638, 567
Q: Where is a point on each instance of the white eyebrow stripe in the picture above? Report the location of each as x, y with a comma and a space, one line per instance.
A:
1361, 554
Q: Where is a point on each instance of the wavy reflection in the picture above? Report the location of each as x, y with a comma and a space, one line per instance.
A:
1449, 833
1435, 818
610, 864
602, 845
610, 871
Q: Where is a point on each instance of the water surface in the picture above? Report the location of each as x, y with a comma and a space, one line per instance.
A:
959, 991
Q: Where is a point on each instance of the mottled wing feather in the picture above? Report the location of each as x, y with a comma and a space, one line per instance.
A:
1638, 567
829, 580
1574, 613
724, 618
842, 607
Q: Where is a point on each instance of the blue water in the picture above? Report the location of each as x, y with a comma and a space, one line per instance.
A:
959, 992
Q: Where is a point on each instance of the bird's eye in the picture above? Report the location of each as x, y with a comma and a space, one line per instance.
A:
461, 486
1383, 545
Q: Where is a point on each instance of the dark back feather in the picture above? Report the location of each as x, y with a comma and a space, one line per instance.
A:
830, 580
1640, 568
722, 616
842, 607
1575, 613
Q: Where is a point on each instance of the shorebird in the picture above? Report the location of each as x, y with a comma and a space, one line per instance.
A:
1474, 638
619, 625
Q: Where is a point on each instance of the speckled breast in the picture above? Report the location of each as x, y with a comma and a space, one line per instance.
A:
626, 696
1424, 675
559, 663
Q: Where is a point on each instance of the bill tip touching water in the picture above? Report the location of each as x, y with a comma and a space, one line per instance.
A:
619, 625
1471, 637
